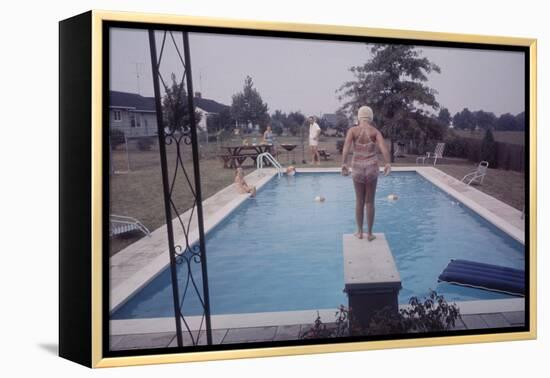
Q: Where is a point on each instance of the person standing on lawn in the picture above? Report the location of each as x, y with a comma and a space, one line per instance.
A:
314, 133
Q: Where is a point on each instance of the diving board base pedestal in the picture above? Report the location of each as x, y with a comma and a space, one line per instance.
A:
372, 281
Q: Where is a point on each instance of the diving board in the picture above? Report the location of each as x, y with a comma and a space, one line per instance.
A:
372, 281
484, 276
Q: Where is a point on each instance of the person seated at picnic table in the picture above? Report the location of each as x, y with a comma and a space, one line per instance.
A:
268, 135
241, 184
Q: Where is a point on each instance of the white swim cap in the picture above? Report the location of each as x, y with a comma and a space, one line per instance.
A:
365, 112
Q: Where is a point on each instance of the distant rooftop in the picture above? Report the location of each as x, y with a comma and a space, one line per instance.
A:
333, 119
138, 102
131, 100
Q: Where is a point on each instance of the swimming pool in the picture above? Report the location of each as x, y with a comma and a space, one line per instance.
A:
282, 251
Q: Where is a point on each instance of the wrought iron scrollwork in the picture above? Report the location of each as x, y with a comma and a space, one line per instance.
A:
187, 255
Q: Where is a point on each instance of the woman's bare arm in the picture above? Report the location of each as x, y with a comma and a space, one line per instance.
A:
385, 152
347, 146
345, 152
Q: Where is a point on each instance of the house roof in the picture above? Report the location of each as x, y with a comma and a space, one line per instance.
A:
330, 118
131, 100
209, 106
138, 102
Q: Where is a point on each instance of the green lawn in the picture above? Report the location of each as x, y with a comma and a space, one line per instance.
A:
512, 137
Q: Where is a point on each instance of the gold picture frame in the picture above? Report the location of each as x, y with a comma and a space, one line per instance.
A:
84, 276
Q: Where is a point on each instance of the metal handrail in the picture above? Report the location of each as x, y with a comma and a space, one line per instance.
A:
271, 159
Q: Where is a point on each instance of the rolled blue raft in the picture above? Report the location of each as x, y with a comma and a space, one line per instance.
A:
484, 276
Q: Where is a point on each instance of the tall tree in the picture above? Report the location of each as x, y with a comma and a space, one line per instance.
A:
220, 121
464, 120
507, 122
248, 107
421, 127
392, 83
342, 122
520, 120
175, 109
489, 149
485, 120
278, 120
444, 117
295, 122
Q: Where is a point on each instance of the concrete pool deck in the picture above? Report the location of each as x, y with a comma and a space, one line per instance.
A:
139, 263
290, 325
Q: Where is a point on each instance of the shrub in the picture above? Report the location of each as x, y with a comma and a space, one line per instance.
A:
145, 143
456, 146
339, 329
433, 314
473, 150
461, 147
278, 130
117, 138
489, 149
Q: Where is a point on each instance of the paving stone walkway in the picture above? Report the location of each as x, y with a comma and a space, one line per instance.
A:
288, 332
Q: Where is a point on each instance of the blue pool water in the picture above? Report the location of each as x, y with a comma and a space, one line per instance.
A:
282, 251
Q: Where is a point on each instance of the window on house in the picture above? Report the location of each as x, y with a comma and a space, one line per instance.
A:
138, 120
132, 120
117, 115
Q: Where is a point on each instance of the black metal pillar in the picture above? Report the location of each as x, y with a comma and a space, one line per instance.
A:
165, 186
198, 194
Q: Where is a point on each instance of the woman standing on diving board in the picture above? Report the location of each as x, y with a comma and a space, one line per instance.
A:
364, 166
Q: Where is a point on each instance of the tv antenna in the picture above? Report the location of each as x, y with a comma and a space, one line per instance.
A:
139, 66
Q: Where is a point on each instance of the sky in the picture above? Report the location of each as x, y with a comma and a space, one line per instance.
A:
304, 75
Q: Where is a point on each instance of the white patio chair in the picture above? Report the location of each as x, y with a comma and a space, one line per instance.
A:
478, 174
120, 224
437, 154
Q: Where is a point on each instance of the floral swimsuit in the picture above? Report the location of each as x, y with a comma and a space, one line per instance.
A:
364, 163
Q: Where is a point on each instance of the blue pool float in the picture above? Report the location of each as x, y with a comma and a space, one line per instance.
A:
484, 276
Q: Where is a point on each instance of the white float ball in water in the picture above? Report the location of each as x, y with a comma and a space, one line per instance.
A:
319, 199
393, 197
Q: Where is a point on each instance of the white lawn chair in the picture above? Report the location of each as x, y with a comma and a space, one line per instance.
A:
437, 154
120, 224
478, 174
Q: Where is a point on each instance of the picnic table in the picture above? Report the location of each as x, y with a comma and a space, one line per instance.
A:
236, 155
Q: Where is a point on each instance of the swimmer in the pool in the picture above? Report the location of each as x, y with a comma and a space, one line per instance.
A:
364, 166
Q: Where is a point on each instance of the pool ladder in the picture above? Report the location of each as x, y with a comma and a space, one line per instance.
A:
271, 159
